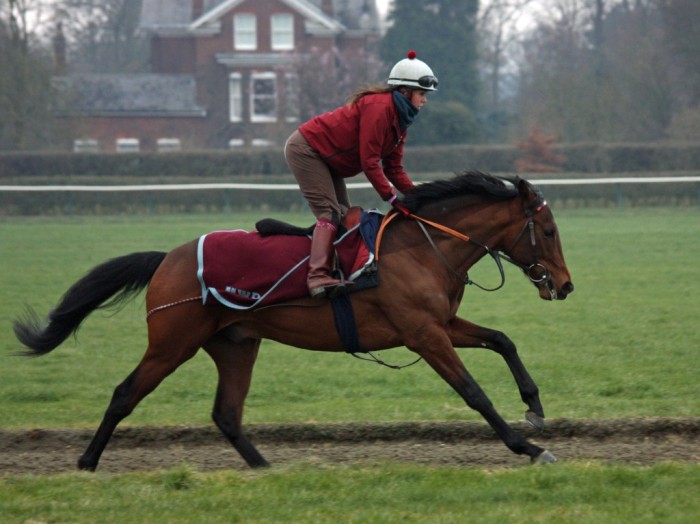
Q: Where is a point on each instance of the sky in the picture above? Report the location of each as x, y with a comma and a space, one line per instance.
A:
383, 6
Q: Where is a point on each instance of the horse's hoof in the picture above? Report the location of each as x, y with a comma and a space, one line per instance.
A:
85, 466
535, 420
544, 458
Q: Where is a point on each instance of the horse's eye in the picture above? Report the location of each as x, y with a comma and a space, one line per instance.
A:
549, 233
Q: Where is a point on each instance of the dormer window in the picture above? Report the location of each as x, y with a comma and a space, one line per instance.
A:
245, 35
282, 32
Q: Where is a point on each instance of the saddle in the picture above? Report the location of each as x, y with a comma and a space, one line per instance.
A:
270, 226
243, 270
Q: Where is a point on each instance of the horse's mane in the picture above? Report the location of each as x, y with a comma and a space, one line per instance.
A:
465, 184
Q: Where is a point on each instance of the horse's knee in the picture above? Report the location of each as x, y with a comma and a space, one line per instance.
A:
503, 345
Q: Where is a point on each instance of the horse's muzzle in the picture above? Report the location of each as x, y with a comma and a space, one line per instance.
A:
564, 291
548, 290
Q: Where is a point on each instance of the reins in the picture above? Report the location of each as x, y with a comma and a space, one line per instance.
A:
496, 255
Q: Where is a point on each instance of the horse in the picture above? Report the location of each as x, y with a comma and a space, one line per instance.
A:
423, 264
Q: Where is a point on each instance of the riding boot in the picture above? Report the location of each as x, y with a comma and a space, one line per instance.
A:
319, 280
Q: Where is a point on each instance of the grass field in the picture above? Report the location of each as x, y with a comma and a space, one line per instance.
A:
623, 345
384, 493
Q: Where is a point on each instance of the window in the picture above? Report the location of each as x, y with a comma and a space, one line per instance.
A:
235, 98
245, 37
263, 97
235, 143
168, 145
291, 102
128, 145
282, 30
86, 145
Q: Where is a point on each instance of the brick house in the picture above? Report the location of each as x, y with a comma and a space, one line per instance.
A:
225, 73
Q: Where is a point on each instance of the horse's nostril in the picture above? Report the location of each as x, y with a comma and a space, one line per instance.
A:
567, 288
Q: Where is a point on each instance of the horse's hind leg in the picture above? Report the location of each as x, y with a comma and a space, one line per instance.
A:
234, 361
464, 334
153, 368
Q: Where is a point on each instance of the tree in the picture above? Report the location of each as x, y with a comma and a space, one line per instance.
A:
498, 38
104, 35
443, 33
681, 23
443, 123
24, 78
597, 71
326, 80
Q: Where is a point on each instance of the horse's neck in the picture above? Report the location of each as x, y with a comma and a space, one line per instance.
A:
482, 221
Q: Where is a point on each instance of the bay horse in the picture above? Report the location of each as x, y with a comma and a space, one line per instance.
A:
422, 269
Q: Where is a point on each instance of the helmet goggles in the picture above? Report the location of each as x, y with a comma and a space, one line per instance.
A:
428, 81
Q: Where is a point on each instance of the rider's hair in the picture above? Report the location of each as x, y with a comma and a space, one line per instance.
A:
369, 90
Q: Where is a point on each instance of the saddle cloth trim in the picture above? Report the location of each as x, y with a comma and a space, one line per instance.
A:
223, 300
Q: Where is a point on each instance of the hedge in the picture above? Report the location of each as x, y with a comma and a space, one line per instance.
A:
582, 158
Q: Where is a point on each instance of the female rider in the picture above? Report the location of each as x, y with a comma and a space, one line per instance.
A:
366, 135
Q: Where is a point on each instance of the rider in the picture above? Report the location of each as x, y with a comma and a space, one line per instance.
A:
365, 135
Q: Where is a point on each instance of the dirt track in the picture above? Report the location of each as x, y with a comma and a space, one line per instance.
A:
633, 441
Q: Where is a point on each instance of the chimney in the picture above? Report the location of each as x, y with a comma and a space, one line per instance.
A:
197, 8
59, 50
327, 7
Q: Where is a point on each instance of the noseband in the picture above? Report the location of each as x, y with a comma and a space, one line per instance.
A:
536, 272
533, 270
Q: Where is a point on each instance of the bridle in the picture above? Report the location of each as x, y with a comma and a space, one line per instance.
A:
535, 268
536, 272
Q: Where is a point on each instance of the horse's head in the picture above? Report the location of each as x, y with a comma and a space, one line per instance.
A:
534, 245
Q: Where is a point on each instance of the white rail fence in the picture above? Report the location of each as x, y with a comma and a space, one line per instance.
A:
693, 192
353, 185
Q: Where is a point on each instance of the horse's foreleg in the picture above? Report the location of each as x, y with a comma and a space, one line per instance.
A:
465, 334
442, 357
155, 366
234, 362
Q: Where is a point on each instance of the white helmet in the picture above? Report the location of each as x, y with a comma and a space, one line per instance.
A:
412, 72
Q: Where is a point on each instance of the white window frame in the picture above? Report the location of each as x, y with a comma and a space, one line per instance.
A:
292, 98
235, 97
282, 32
245, 32
168, 145
128, 145
254, 97
86, 145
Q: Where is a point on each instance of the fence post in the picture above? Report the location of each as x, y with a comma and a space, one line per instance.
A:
619, 195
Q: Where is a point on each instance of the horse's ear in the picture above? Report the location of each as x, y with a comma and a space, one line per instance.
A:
525, 189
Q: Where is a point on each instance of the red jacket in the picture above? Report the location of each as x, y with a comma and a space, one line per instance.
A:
354, 139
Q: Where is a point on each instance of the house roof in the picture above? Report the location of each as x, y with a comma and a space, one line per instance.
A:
128, 95
176, 16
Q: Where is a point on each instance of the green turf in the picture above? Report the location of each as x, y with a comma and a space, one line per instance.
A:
370, 493
623, 345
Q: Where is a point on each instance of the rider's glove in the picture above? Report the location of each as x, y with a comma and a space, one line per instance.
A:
399, 206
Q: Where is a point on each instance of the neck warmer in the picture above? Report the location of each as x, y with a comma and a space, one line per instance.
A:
405, 109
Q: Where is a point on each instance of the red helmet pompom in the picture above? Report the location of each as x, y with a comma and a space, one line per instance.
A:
411, 54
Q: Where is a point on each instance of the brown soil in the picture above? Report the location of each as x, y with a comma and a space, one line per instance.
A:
631, 441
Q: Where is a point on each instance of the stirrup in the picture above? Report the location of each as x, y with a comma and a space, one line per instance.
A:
331, 290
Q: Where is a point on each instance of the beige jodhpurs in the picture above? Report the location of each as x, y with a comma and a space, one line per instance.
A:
326, 193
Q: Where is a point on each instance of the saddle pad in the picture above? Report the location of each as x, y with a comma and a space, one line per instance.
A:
242, 269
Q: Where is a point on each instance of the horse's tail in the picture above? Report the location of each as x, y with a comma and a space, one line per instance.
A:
107, 285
